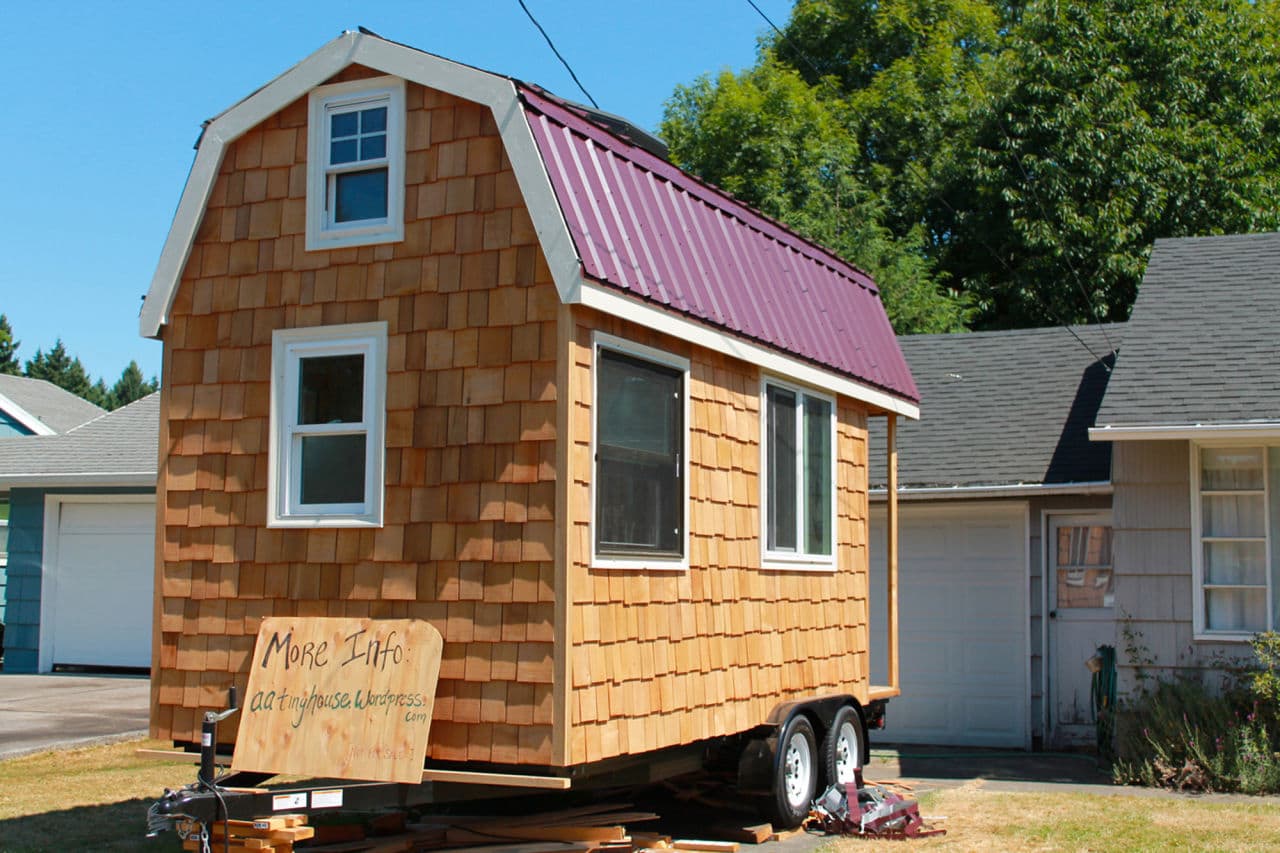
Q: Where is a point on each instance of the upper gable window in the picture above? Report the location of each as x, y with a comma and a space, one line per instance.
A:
355, 164
328, 404
799, 477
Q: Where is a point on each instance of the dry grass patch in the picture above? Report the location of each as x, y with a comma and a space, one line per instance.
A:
93, 798
980, 819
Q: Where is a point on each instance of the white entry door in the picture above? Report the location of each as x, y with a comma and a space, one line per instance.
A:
97, 593
963, 598
1081, 618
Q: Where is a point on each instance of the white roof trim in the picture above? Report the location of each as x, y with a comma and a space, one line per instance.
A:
24, 417
610, 301
1014, 490
113, 478
498, 94
1172, 432
490, 90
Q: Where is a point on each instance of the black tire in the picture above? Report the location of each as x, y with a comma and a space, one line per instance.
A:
795, 773
843, 747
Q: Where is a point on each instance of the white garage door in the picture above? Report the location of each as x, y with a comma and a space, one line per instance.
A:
962, 600
98, 583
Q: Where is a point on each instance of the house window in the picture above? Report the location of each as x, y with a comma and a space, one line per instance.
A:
355, 164
328, 406
799, 476
640, 457
4, 530
1236, 519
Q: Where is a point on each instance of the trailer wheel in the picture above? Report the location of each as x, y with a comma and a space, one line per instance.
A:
795, 772
842, 748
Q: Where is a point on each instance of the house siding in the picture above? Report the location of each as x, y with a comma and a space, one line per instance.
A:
469, 520
23, 592
1154, 587
668, 657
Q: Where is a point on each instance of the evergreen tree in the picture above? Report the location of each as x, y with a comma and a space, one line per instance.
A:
58, 367
130, 386
8, 349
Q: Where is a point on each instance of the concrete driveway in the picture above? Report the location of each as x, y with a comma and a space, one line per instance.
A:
40, 712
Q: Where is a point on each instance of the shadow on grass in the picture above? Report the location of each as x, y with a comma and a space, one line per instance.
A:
116, 826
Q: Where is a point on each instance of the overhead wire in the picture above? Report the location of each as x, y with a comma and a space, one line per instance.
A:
920, 174
563, 61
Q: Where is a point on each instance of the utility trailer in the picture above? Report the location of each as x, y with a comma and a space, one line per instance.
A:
441, 346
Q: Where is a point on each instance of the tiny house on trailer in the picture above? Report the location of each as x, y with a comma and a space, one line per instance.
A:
440, 345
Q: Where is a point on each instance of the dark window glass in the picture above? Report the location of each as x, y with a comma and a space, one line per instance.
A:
639, 478
332, 469
331, 389
374, 120
360, 196
373, 147
344, 124
342, 151
782, 469
817, 475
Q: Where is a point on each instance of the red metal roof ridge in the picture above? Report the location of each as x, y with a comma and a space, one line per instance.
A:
548, 105
912, 396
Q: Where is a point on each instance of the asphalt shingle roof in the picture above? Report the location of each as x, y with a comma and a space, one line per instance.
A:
120, 443
58, 409
1203, 344
1003, 408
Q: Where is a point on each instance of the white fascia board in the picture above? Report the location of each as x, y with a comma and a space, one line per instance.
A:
1173, 432
1015, 490
611, 302
24, 417
495, 92
63, 480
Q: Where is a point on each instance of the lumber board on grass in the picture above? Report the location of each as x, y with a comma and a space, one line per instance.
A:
697, 844
757, 834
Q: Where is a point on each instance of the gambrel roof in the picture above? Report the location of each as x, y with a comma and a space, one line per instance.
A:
623, 231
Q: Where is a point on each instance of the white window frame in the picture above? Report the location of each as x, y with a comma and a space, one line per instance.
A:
601, 341
4, 523
322, 232
1200, 620
288, 347
798, 560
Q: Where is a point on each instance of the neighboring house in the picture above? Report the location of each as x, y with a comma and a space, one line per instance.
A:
999, 480
1193, 417
81, 541
440, 345
32, 407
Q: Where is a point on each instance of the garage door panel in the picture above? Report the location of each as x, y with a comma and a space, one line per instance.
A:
963, 608
100, 577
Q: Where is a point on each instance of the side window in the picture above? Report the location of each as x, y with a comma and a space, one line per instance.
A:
355, 164
327, 411
799, 476
4, 530
640, 491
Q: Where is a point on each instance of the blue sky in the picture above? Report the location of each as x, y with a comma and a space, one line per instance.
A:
106, 100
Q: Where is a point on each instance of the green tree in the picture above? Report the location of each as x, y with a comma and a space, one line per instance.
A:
1116, 122
1024, 154
8, 349
58, 367
130, 386
771, 140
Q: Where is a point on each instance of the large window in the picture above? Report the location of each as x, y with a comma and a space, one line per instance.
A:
799, 476
327, 417
355, 163
1237, 519
640, 495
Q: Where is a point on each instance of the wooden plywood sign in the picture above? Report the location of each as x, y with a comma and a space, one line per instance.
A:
340, 698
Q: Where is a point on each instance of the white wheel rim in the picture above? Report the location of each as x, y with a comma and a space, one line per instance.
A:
797, 770
848, 753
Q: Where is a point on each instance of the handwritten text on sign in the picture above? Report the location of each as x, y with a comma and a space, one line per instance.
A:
341, 698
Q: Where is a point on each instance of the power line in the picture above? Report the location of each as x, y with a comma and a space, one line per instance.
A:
563, 61
785, 39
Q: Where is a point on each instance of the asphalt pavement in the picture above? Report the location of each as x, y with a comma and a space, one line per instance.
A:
39, 712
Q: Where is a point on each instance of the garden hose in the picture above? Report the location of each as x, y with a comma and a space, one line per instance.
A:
1103, 695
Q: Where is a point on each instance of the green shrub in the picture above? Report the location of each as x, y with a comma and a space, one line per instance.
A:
1185, 734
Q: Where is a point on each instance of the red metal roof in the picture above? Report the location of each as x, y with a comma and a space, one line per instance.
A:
644, 226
